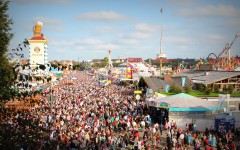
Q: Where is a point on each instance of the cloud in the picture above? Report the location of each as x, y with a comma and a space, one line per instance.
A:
177, 39
215, 37
52, 23
91, 41
234, 23
108, 29
102, 16
106, 46
42, 1
76, 42
140, 35
210, 11
128, 41
143, 27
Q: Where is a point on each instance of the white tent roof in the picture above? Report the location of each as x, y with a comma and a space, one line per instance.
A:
182, 100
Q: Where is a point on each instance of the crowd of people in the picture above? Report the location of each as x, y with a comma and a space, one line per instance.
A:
87, 115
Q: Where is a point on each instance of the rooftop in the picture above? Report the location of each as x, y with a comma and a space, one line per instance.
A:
208, 77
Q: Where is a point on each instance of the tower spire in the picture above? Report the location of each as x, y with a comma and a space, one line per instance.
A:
109, 60
161, 55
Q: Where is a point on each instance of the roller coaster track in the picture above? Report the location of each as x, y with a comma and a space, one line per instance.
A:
217, 58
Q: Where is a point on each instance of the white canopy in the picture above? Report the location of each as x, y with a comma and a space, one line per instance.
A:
185, 102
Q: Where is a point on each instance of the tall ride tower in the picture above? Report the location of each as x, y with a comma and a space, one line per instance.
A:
110, 65
161, 55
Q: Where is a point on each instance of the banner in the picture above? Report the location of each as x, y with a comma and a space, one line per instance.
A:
166, 88
183, 81
223, 98
129, 72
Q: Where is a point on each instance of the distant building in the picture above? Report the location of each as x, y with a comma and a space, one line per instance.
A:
222, 79
134, 60
38, 52
164, 60
97, 60
159, 84
118, 60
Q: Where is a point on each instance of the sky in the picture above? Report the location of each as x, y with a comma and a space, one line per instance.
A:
87, 29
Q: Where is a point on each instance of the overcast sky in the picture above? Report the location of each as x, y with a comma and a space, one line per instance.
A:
86, 29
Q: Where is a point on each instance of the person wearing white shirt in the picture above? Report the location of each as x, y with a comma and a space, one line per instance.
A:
139, 144
174, 140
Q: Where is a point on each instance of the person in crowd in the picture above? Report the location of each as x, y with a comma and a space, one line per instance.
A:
86, 115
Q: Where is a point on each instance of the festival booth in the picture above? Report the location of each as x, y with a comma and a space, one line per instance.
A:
152, 101
224, 122
24, 104
184, 108
157, 112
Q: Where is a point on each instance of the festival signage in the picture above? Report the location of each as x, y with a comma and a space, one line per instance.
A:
163, 105
137, 92
129, 72
137, 97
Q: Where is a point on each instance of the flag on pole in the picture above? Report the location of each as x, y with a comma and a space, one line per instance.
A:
221, 98
161, 10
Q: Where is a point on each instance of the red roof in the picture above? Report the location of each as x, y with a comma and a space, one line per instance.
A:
37, 38
134, 59
164, 60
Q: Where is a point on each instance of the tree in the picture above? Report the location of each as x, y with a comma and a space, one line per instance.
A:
187, 88
216, 88
142, 83
175, 89
105, 59
228, 89
201, 87
42, 67
6, 71
208, 90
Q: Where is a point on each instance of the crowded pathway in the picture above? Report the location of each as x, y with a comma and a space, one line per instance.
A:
86, 115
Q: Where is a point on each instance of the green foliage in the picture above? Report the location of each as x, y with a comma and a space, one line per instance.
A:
208, 90
216, 88
175, 89
201, 87
53, 65
105, 59
142, 83
82, 66
228, 89
187, 88
5, 26
101, 64
116, 64
42, 67
6, 71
